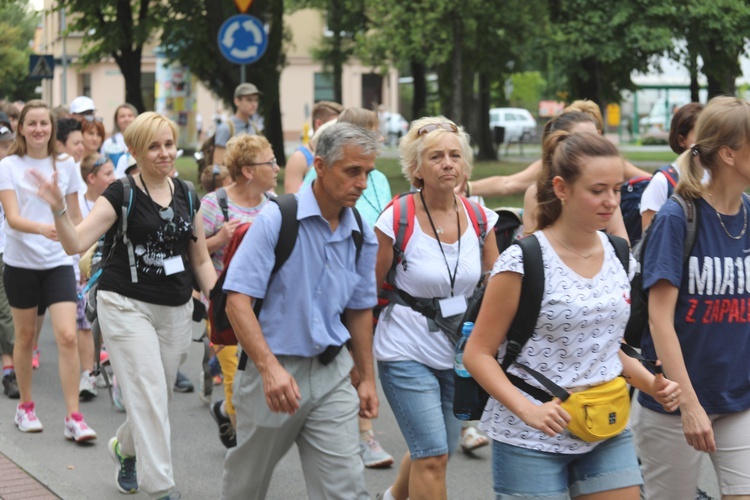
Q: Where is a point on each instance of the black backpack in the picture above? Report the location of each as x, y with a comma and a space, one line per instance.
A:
630, 199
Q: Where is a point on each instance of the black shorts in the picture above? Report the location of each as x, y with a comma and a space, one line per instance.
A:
27, 288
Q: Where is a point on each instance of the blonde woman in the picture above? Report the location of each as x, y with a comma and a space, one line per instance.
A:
146, 321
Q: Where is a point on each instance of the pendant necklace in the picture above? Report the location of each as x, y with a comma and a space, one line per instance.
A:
583, 255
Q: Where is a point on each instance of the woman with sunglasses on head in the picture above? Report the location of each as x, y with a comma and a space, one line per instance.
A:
698, 319
144, 301
575, 342
37, 270
252, 166
446, 259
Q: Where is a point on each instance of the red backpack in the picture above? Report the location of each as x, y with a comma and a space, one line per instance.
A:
403, 228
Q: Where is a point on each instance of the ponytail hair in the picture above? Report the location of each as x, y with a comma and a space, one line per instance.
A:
725, 121
590, 108
563, 154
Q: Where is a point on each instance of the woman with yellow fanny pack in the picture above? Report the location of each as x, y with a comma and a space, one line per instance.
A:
559, 407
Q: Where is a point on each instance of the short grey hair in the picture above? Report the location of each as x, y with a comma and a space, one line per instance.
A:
330, 147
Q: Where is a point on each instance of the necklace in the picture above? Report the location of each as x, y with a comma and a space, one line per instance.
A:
583, 255
721, 222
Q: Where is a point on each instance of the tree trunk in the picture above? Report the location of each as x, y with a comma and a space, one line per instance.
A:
130, 67
335, 25
487, 149
721, 68
456, 69
693, 69
419, 76
274, 131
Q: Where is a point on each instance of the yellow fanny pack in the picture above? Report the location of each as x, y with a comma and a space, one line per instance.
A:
599, 412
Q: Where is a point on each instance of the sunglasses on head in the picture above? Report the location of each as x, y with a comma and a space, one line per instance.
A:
450, 127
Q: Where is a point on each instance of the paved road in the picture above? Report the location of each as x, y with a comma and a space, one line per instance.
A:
86, 472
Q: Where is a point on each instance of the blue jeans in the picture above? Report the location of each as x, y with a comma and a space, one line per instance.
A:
525, 473
422, 401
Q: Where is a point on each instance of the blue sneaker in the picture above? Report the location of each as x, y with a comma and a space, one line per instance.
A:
125, 478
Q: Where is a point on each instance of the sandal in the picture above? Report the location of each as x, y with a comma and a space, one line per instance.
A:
471, 439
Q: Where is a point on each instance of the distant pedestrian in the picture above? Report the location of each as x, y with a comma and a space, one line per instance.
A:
246, 100
293, 384
37, 270
7, 335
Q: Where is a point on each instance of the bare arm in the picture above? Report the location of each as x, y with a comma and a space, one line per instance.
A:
633, 171
294, 172
697, 427
200, 260
498, 309
490, 252
665, 391
281, 390
385, 257
16, 221
359, 324
530, 205
616, 225
218, 155
504, 185
646, 218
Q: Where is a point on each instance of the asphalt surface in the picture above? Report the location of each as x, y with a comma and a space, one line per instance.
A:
84, 472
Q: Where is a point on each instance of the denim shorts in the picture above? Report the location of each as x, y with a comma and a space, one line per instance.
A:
422, 401
524, 473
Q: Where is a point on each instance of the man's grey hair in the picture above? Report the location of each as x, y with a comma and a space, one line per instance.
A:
332, 141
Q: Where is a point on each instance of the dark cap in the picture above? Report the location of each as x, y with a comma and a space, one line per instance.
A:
6, 133
245, 89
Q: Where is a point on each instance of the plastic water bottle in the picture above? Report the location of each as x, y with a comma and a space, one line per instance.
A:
464, 398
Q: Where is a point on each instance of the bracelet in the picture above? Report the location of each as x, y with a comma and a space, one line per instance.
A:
60, 213
468, 189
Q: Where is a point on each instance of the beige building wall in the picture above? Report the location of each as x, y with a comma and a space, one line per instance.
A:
104, 83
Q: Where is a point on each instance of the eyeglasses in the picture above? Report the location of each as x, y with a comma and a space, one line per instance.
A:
92, 118
450, 127
272, 163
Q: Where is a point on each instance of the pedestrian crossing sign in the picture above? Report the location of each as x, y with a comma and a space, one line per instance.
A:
41, 66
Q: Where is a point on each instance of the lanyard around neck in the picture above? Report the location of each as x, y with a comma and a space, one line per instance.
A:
452, 277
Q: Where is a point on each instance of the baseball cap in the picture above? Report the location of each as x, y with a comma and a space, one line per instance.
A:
6, 133
81, 104
246, 89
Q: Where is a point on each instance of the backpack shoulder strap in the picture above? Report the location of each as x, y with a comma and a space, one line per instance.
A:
532, 292
670, 173
128, 197
404, 209
477, 217
222, 200
358, 236
288, 232
690, 209
622, 249
190, 194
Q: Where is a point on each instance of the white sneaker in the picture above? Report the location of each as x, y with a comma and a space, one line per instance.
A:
100, 380
26, 418
77, 430
87, 386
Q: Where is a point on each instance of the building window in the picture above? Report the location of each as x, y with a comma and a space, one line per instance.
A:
372, 90
323, 87
84, 84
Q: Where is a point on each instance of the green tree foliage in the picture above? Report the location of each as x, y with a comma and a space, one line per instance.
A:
190, 36
528, 89
595, 45
117, 29
17, 25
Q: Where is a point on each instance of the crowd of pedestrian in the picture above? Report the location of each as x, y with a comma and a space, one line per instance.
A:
313, 263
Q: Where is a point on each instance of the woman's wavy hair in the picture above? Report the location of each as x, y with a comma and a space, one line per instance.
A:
724, 122
562, 155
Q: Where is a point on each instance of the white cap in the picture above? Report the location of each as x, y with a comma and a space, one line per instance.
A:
81, 104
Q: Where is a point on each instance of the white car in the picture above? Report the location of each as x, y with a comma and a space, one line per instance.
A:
518, 123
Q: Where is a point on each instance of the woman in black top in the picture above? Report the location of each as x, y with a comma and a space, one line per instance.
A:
144, 298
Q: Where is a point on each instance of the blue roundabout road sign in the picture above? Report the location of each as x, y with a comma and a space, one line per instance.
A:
242, 39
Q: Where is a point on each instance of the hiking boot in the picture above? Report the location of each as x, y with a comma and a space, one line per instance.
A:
373, 455
227, 435
35, 359
10, 386
26, 418
87, 386
125, 478
77, 430
183, 384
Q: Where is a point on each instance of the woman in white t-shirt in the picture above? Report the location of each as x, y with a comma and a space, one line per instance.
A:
114, 147
443, 258
681, 137
37, 269
576, 340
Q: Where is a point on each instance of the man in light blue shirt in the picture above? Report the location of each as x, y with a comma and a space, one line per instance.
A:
296, 386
